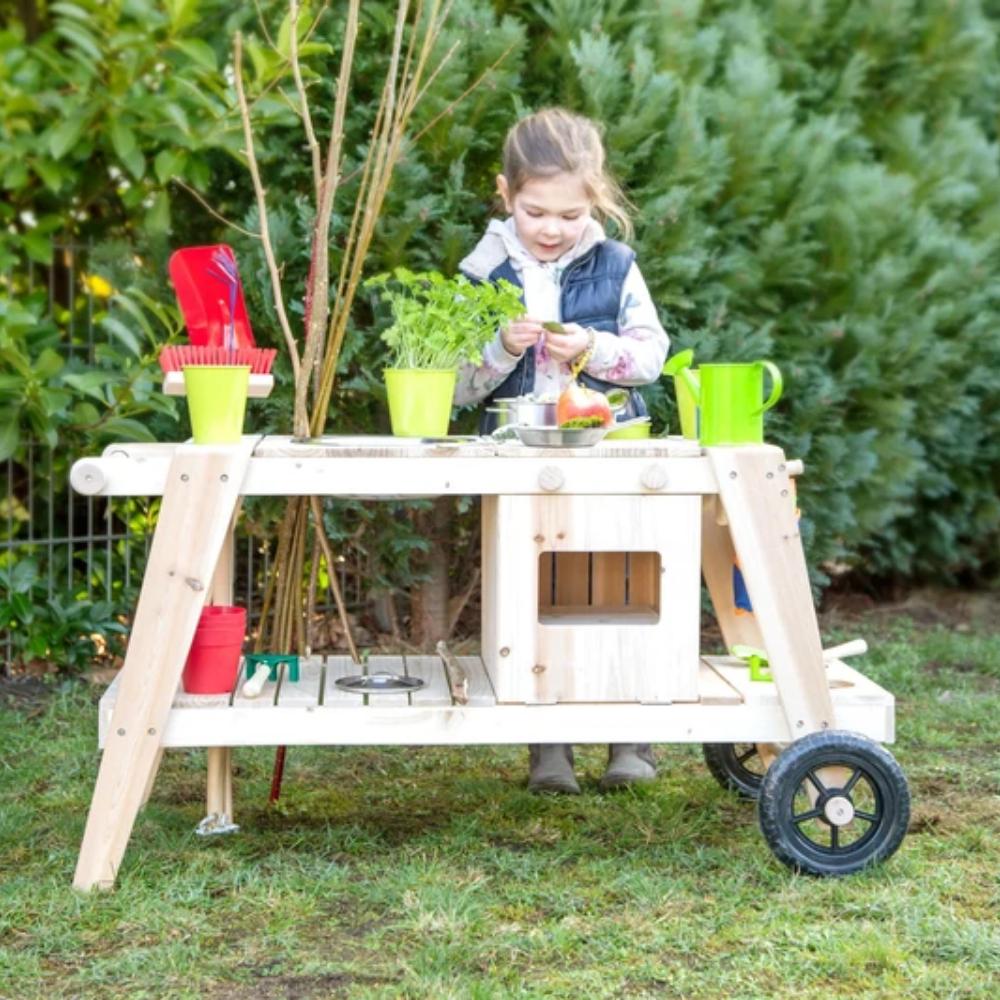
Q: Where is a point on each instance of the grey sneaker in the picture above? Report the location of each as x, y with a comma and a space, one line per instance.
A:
551, 768
628, 763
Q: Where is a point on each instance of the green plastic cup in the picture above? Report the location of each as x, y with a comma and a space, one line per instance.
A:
217, 401
630, 430
420, 401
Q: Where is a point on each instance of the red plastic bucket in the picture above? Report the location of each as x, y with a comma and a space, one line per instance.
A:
219, 615
214, 658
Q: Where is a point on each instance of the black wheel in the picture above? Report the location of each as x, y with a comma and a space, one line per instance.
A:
736, 766
833, 803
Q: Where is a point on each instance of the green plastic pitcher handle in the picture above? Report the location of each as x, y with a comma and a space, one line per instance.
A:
776, 385
680, 360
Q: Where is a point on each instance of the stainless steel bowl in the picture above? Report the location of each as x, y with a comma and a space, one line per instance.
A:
522, 411
560, 437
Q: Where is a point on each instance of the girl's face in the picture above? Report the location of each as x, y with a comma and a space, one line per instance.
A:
550, 213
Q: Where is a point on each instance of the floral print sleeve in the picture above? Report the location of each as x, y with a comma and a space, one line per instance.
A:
476, 382
636, 355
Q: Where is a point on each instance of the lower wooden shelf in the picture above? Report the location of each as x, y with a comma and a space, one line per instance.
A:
314, 711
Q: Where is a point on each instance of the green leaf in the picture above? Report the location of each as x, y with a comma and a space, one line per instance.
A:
178, 116
81, 38
65, 135
182, 14
50, 173
136, 163
91, 384
168, 164
49, 362
158, 216
128, 429
39, 247
123, 333
15, 175
23, 575
85, 414
198, 51
10, 436
123, 140
71, 10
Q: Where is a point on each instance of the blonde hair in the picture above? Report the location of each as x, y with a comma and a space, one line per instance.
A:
555, 141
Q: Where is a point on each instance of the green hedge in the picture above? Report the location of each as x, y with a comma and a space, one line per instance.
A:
815, 183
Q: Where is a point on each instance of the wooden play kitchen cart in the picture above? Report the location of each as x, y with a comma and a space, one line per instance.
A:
592, 567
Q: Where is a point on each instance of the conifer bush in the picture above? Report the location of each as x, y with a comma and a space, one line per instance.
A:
818, 184
814, 183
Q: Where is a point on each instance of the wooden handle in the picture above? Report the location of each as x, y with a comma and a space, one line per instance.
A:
457, 679
255, 685
87, 476
853, 648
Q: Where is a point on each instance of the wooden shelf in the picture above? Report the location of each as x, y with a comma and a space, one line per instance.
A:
260, 385
586, 614
314, 711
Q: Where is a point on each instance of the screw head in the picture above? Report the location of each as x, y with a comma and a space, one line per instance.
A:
505, 650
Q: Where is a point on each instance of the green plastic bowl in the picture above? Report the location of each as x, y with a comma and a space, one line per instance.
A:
638, 428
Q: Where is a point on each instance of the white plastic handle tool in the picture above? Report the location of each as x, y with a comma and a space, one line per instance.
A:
853, 648
253, 687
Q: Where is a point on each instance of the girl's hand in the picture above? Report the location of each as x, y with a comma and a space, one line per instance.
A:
568, 345
518, 336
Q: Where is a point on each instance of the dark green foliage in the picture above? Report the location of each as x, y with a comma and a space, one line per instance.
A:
819, 185
816, 184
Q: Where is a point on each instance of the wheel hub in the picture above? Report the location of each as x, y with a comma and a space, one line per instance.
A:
838, 810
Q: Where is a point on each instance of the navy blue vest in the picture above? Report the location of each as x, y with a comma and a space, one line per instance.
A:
591, 296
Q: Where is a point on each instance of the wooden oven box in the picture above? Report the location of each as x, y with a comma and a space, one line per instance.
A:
592, 598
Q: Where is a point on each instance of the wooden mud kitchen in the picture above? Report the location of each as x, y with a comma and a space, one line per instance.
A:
593, 560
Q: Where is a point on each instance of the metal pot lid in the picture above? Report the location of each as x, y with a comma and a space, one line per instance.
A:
375, 683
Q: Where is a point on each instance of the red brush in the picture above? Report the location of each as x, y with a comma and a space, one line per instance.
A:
260, 359
210, 295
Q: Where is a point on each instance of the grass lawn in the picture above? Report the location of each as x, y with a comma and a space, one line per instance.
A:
434, 873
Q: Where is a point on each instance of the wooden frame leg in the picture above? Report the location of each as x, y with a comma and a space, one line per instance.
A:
219, 796
757, 496
218, 817
203, 484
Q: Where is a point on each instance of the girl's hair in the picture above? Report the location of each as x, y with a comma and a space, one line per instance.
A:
555, 141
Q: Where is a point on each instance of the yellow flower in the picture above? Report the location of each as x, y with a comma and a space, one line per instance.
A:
97, 286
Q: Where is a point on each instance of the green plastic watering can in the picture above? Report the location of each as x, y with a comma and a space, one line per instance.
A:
687, 402
729, 400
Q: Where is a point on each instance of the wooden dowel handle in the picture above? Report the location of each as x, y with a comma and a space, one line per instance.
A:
795, 467
255, 685
853, 648
457, 679
88, 477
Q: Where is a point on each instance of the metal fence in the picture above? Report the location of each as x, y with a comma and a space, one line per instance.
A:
85, 549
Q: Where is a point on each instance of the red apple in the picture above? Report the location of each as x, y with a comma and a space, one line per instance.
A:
579, 406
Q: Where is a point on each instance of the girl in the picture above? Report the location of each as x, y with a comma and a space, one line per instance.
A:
555, 189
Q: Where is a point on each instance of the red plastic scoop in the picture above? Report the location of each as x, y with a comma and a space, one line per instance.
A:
210, 295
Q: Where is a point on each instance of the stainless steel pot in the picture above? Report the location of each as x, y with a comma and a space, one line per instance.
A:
521, 411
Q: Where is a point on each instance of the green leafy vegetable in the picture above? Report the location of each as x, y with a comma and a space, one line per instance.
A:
442, 322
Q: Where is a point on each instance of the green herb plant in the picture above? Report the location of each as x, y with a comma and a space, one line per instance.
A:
439, 322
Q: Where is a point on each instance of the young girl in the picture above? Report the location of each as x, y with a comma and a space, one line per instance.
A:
555, 189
